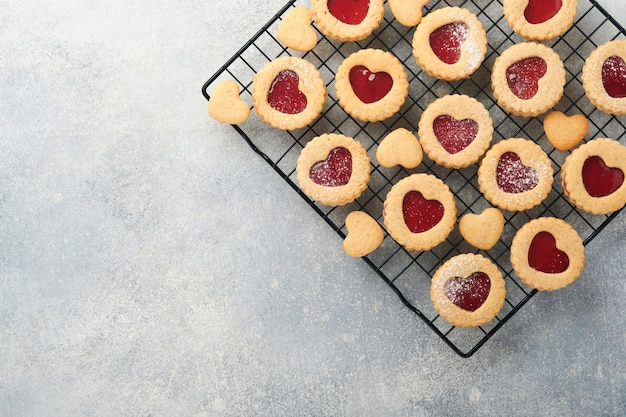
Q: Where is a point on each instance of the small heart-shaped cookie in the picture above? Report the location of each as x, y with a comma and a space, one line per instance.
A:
226, 106
565, 132
482, 230
407, 12
364, 234
295, 30
400, 147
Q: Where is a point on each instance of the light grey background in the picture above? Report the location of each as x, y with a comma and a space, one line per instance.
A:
152, 265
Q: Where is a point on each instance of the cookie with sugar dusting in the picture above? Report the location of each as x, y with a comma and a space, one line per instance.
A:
348, 21
516, 174
333, 169
450, 43
468, 290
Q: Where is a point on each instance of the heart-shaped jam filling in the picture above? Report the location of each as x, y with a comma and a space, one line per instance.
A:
420, 214
599, 179
335, 170
523, 76
368, 86
539, 11
468, 293
513, 176
284, 94
614, 77
350, 12
454, 135
544, 256
446, 41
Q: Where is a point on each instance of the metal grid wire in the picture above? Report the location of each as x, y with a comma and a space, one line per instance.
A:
408, 272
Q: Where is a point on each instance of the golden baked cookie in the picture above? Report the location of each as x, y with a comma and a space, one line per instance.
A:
407, 12
482, 230
400, 147
515, 174
468, 290
333, 169
455, 131
347, 20
371, 85
528, 79
540, 20
226, 106
604, 77
450, 43
288, 93
295, 30
565, 132
364, 234
420, 212
593, 176
547, 254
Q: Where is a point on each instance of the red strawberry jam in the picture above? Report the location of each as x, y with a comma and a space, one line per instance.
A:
513, 176
368, 86
350, 12
540, 11
599, 179
420, 214
284, 95
523, 76
454, 135
446, 41
614, 77
335, 170
468, 293
544, 256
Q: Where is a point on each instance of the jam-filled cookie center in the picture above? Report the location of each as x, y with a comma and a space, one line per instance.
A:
540, 11
335, 170
350, 12
421, 214
446, 41
512, 176
614, 77
368, 86
599, 179
468, 293
284, 94
454, 135
544, 256
523, 76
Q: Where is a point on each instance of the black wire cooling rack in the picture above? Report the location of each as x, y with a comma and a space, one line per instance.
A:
406, 272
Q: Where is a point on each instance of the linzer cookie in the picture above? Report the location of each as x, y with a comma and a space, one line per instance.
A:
333, 169
455, 131
528, 79
547, 254
540, 20
420, 212
604, 77
371, 85
288, 93
468, 290
347, 20
593, 176
515, 174
450, 43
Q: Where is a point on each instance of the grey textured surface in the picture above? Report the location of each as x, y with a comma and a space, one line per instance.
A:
152, 265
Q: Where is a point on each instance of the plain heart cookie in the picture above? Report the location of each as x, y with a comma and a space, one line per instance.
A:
482, 230
364, 234
407, 12
400, 147
565, 132
226, 106
295, 30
